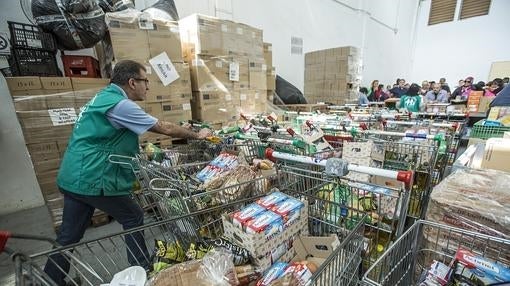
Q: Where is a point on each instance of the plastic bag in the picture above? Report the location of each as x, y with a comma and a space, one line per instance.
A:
77, 24
163, 10
131, 276
218, 269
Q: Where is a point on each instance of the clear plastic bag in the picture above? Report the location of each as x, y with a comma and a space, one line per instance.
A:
218, 268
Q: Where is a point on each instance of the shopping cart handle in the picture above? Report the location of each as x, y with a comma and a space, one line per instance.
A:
4, 236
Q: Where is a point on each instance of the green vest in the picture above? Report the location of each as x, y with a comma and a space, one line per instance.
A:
85, 168
411, 103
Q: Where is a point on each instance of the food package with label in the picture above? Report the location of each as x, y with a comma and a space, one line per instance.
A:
267, 222
246, 214
288, 209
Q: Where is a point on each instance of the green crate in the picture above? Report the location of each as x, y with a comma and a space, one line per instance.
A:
485, 132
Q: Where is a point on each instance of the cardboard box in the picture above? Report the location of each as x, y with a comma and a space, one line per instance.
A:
28, 103
82, 83
485, 101
122, 43
24, 85
473, 141
56, 84
315, 249
165, 38
268, 54
497, 154
43, 151
257, 74
41, 166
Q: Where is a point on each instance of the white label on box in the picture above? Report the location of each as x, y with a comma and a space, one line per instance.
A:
34, 43
197, 63
164, 68
186, 106
243, 96
228, 97
233, 71
148, 69
219, 64
257, 95
264, 67
62, 116
145, 22
239, 31
224, 28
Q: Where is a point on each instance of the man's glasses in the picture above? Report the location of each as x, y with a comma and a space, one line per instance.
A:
467, 81
143, 79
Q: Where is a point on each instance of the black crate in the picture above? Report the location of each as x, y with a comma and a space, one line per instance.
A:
28, 36
28, 62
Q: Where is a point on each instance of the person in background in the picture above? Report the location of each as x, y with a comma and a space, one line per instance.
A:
372, 90
425, 87
463, 91
461, 83
437, 94
362, 96
399, 90
495, 87
411, 101
381, 94
431, 84
109, 124
505, 80
444, 85
389, 87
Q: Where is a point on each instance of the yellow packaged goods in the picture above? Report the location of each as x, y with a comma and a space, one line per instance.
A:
497, 154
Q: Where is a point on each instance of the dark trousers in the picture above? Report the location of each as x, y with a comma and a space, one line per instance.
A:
78, 210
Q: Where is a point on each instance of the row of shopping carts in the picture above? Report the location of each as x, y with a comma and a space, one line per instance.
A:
380, 227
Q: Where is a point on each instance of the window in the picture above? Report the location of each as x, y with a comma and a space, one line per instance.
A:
473, 8
442, 11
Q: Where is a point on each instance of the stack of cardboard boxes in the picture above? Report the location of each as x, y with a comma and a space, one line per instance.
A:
47, 109
228, 70
140, 39
271, 72
332, 75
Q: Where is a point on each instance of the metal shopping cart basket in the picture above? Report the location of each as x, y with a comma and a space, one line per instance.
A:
346, 201
95, 262
404, 262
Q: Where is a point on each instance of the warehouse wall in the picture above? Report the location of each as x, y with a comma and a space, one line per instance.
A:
462, 47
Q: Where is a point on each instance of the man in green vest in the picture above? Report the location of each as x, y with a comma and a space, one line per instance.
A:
109, 123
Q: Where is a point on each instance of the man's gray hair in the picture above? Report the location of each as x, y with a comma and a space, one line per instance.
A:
124, 70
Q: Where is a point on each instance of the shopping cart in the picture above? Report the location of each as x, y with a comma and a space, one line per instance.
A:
413, 253
95, 262
346, 200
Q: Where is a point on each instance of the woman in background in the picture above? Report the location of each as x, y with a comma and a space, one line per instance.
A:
372, 90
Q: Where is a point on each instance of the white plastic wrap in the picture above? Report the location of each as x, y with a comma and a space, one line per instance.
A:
217, 268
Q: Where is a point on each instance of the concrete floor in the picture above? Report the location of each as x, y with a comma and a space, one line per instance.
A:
36, 221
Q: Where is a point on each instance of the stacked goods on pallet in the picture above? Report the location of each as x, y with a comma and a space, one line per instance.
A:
332, 75
170, 102
271, 72
228, 70
47, 108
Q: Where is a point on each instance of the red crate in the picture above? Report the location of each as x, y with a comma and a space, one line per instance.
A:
81, 66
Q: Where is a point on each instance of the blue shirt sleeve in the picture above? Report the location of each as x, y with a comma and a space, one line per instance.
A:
127, 114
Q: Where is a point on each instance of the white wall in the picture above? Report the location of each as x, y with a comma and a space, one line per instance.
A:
461, 48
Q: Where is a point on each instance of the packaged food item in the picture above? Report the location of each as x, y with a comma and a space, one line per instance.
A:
247, 213
300, 271
477, 270
273, 273
153, 152
217, 268
289, 210
271, 200
167, 253
267, 222
438, 274
279, 251
240, 256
